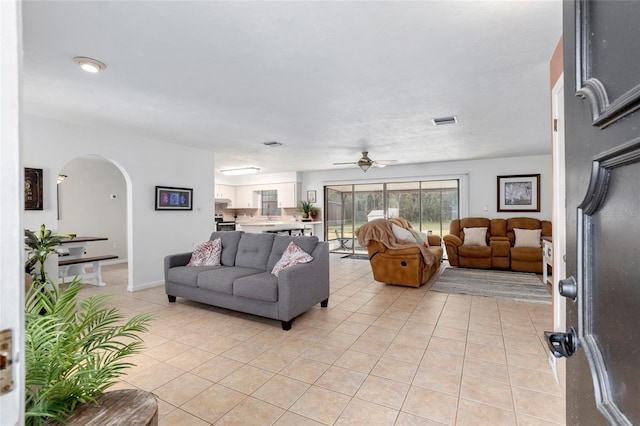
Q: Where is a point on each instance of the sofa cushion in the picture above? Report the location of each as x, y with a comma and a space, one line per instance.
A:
474, 251
229, 241
475, 236
206, 254
186, 275
527, 237
292, 256
402, 234
262, 286
221, 279
281, 242
254, 250
526, 254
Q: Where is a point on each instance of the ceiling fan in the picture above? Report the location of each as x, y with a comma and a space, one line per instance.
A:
365, 162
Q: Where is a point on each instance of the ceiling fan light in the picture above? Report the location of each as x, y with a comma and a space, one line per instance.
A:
364, 165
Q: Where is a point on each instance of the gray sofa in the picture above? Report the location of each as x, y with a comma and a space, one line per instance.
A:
245, 283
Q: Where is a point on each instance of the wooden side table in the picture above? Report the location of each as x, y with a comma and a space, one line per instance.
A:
547, 259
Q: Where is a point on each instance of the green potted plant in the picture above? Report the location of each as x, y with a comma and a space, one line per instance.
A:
39, 246
306, 208
73, 351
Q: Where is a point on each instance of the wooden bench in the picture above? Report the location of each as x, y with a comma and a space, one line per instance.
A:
65, 270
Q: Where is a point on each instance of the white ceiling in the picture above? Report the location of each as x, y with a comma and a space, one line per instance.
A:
327, 79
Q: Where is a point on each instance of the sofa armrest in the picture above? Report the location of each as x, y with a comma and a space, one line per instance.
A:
451, 243
453, 240
434, 240
500, 247
304, 285
172, 260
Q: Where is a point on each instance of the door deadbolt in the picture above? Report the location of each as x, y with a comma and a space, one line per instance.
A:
568, 288
562, 344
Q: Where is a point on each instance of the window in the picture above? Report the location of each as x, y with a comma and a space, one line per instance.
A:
429, 206
269, 203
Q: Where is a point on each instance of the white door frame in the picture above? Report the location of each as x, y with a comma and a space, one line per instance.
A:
12, 196
559, 219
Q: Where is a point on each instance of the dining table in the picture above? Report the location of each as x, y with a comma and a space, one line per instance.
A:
72, 252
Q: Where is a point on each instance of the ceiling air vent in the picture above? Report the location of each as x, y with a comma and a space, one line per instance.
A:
272, 144
445, 120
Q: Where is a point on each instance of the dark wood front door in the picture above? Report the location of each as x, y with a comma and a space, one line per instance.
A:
602, 122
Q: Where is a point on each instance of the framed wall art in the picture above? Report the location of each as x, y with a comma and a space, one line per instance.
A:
519, 193
33, 189
170, 198
311, 196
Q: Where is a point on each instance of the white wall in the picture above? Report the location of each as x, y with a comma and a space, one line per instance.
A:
87, 208
145, 163
482, 179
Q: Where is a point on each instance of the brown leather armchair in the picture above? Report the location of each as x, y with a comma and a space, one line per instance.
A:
398, 263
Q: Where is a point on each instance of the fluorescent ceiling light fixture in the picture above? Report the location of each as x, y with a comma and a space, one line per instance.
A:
242, 171
89, 64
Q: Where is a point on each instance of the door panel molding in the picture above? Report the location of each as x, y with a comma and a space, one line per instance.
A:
590, 219
604, 111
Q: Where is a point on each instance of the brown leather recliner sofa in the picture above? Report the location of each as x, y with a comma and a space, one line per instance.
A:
399, 262
510, 244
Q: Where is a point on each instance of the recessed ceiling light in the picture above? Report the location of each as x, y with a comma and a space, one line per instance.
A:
89, 64
272, 144
444, 120
241, 171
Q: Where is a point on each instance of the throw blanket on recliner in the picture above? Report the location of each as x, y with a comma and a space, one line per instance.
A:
380, 230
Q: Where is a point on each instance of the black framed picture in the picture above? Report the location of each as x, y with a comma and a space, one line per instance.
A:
171, 198
519, 193
33, 189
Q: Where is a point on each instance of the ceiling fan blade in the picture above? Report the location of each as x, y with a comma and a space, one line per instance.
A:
386, 162
342, 164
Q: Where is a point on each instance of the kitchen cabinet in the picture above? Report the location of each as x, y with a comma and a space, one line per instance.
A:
288, 194
246, 197
225, 192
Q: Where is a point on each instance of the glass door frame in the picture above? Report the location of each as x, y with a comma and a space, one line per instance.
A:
463, 199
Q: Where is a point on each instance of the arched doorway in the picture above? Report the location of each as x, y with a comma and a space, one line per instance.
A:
92, 201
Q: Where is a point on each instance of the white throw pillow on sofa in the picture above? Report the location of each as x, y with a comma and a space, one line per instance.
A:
475, 236
402, 234
527, 237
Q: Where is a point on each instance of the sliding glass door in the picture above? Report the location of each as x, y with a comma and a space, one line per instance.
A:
440, 205
428, 205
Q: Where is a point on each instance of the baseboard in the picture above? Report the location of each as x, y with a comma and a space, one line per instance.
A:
147, 285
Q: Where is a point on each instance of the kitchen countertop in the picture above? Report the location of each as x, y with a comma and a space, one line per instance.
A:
274, 225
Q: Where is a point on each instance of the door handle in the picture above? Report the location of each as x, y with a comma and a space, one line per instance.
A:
568, 288
562, 344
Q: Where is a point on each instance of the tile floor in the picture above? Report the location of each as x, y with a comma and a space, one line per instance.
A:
379, 355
